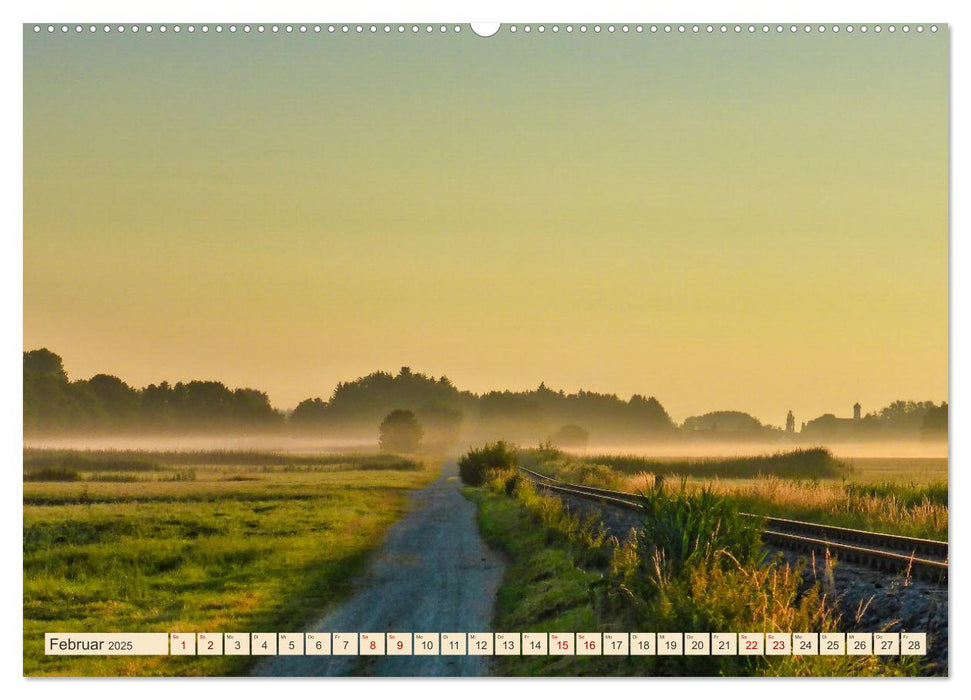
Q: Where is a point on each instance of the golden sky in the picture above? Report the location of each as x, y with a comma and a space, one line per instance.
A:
722, 221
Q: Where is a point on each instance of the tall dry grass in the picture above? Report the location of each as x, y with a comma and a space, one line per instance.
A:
905, 509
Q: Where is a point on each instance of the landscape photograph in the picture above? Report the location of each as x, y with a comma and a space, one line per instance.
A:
418, 350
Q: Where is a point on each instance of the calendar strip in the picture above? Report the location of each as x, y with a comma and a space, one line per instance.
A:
487, 644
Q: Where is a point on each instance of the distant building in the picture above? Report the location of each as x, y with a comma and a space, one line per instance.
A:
790, 422
829, 427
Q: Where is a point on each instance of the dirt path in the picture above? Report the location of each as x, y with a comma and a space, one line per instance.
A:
433, 573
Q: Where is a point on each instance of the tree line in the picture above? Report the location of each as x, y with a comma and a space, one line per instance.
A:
104, 403
443, 411
54, 404
901, 419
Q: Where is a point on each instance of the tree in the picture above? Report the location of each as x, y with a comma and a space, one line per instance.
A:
358, 405
571, 435
511, 415
44, 363
309, 413
400, 432
49, 403
252, 407
117, 401
935, 421
722, 422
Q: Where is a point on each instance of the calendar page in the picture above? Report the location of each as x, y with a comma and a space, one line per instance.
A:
523, 349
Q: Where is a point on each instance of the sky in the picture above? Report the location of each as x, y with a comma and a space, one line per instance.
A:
751, 222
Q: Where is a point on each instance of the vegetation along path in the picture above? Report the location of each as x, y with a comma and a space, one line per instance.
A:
433, 573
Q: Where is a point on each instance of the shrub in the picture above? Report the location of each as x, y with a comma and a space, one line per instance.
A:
685, 529
52, 474
474, 465
502, 480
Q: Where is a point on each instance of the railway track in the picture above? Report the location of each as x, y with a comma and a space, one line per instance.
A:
924, 559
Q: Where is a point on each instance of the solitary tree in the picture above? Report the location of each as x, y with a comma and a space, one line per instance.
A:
400, 432
571, 436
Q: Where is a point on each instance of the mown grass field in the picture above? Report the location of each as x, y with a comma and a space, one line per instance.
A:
906, 496
127, 542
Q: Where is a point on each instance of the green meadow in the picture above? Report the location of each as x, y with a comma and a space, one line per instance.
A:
196, 542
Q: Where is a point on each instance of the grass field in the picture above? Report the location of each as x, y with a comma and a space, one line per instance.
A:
129, 542
904, 470
913, 510
906, 496
811, 463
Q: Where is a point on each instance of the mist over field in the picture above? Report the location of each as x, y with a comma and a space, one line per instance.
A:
928, 449
290, 444
936, 450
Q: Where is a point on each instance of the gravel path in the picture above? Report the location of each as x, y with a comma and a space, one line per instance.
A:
433, 573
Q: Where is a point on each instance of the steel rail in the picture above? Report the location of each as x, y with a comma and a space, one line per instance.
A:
890, 553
